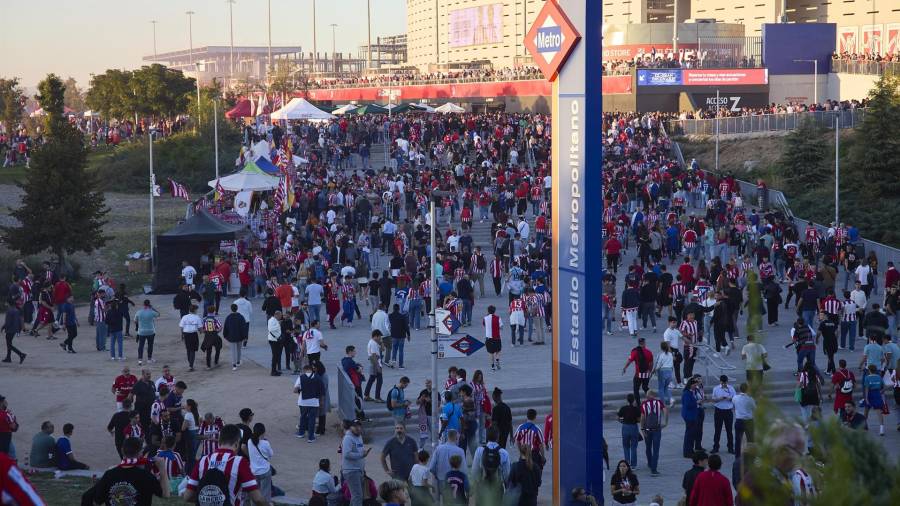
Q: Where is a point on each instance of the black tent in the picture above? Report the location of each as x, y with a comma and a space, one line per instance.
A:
189, 241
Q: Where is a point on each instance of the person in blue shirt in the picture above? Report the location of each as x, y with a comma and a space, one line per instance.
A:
69, 320
451, 414
690, 413
65, 456
873, 384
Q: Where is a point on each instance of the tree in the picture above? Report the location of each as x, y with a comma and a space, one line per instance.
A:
874, 157
61, 210
74, 98
109, 94
11, 101
152, 90
803, 161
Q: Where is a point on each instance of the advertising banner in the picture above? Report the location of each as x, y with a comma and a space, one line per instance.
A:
718, 77
892, 41
616, 85
871, 39
476, 26
659, 77
534, 88
847, 37
733, 101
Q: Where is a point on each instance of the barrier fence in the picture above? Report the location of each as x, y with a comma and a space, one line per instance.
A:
849, 118
865, 67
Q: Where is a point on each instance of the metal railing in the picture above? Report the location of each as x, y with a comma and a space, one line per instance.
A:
849, 118
865, 67
776, 199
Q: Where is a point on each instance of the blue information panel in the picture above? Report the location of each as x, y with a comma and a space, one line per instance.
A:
659, 77
577, 260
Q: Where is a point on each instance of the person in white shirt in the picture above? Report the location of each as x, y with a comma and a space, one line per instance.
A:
245, 309
313, 343
310, 388
744, 407
453, 242
673, 336
274, 339
325, 485
260, 452
722, 396
190, 325
381, 321
420, 478
188, 273
862, 276
663, 367
524, 230
373, 353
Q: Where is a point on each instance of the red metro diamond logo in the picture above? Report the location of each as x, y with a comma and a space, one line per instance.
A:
551, 38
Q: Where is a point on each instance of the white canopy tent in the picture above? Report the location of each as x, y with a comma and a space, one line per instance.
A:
249, 179
300, 108
450, 107
423, 107
344, 109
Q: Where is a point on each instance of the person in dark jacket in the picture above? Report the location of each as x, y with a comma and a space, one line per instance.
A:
271, 304
526, 474
399, 333
182, 300
235, 332
501, 418
687, 482
12, 325
309, 386
117, 424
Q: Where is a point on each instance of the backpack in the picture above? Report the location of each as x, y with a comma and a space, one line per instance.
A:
490, 461
213, 489
651, 420
389, 402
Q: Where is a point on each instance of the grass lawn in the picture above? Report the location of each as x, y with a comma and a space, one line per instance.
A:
12, 175
66, 491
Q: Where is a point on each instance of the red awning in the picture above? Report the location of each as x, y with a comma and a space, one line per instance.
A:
240, 110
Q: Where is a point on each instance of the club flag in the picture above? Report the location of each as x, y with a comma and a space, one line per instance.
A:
179, 190
242, 202
289, 189
220, 192
279, 198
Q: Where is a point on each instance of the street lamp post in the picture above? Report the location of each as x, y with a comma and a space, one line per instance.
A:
150, 133
815, 78
717, 129
369, 25
333, 45
190, 14
315, 55
231, 39
154, 39
269, 61
837, 169
216, 134
197, 81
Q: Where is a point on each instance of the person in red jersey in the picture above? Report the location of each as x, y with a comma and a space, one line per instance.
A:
122, 386
14, 488
235, 468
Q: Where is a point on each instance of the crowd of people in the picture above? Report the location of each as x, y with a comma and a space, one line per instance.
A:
353, 239
666, 59
412, 78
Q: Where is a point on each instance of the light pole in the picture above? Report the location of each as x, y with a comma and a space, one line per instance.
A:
190, 14
315, 59
815, 78
837, 169
269, 61
333, 45
369, 24
231, 38
150, 133
717, 130
154, 39
197, 73
216, 135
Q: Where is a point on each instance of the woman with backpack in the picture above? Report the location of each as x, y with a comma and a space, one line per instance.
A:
808, 390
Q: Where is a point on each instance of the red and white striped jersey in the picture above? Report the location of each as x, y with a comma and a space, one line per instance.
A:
812, 235
529, 435
517, 304
832, 306
474, 263
454, 306
235, 468
689, 238
14, 488
849, 309
348, 292
677, 289
210, 434
492, 326
802, 486
157, 408
458, 274
689, 330
99, 311
132, 430
425, 288
652, 407
535, 303
496, 268
259, 266
174, 464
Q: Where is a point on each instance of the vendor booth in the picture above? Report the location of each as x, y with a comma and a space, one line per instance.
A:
300, 108
200, 235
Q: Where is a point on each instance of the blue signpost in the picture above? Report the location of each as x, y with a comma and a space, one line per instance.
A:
565, 41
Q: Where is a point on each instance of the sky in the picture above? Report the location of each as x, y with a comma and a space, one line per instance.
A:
79, 37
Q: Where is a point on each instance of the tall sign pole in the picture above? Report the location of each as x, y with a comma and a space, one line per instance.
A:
565, 42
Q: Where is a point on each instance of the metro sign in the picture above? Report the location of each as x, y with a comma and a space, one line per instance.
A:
551, 38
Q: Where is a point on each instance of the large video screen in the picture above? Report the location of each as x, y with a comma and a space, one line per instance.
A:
475, 26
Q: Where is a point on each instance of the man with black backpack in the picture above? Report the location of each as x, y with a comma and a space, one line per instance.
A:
490, 470
223, 477
397, 403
